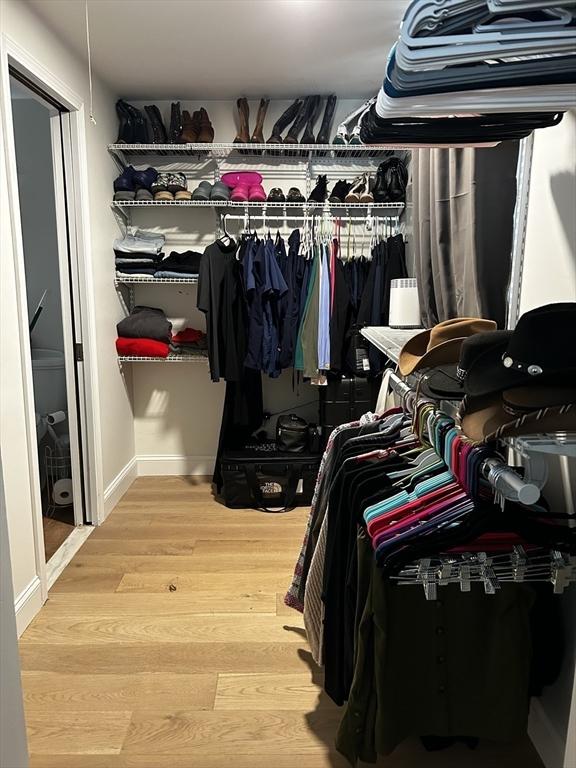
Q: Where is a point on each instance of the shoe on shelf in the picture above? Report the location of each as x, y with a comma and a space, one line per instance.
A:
183, 194
160, 188
243, 135
158, 129
206, 130
126, 126
143, 194
220, 192
326, 124
240, 193
318, 194
308, 135
391, 180
295, 196
366, 196
190, 126
283, 121
357, 190
202, 191
301, 119
341, 189
258, 132
134, 126
256, 194
125, 182
249, 178
123, 195
276, 195
175, 123
176, 182
145, 179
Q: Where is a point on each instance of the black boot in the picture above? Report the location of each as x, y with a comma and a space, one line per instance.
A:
318, 194
175, 123
308, 135
301, 119
139, 125
126, 127
326, 126
283, 121
341, 189
158, 129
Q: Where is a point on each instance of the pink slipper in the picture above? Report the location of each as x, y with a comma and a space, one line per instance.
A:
239, 193
234, 178
257, 194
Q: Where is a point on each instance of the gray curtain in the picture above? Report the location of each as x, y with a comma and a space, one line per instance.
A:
462, 224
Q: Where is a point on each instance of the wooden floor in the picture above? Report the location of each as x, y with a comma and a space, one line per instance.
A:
55, 534
166, 644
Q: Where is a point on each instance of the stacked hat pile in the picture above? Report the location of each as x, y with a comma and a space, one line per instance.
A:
138, 253
509, 383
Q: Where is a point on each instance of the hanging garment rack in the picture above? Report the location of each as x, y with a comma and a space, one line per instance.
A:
500, 476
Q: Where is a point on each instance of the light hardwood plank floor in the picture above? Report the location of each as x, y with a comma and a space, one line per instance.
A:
166, 644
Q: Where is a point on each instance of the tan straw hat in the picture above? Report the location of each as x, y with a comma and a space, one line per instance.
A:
441, 344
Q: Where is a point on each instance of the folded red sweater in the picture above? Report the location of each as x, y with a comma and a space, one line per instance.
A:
187, 336
141, 347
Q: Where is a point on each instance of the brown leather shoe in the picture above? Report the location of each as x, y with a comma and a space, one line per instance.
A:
189, 133
206, 131
243, 135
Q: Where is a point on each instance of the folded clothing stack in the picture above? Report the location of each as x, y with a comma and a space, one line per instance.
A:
179, 264
138, 252
189, 342
146, 332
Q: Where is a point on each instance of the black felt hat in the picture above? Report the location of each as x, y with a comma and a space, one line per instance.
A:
446, 382
540, 350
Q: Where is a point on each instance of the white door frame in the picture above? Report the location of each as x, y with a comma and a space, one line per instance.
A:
12, 54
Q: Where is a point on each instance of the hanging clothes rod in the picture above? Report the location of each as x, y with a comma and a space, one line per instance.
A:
500, 476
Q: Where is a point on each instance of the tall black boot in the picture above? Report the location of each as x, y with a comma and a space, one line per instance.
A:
158, 129
140, 128
283, 121
126, 127
326, 126
308, 135
175, 123
298, 125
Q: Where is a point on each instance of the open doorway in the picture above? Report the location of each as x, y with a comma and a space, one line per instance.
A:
39, 140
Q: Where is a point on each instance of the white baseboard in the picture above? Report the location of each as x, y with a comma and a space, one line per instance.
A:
65, 552
27, 604
176, 464
546, 739
118, 487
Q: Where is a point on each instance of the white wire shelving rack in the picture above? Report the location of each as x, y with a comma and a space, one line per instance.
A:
170, 359
137, 280
225, 150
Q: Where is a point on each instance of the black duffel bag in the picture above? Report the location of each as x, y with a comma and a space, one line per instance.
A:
264, 478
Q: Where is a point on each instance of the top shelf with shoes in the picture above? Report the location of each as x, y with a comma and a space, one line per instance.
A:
201, 152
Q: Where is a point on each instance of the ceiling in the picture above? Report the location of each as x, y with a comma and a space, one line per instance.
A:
221, 49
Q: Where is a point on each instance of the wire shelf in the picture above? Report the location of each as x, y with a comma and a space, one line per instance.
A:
169, 359
221, 151
230, 204
130, 280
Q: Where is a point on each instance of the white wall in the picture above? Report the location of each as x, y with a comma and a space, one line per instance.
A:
21, 25
549, 276
177, 410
